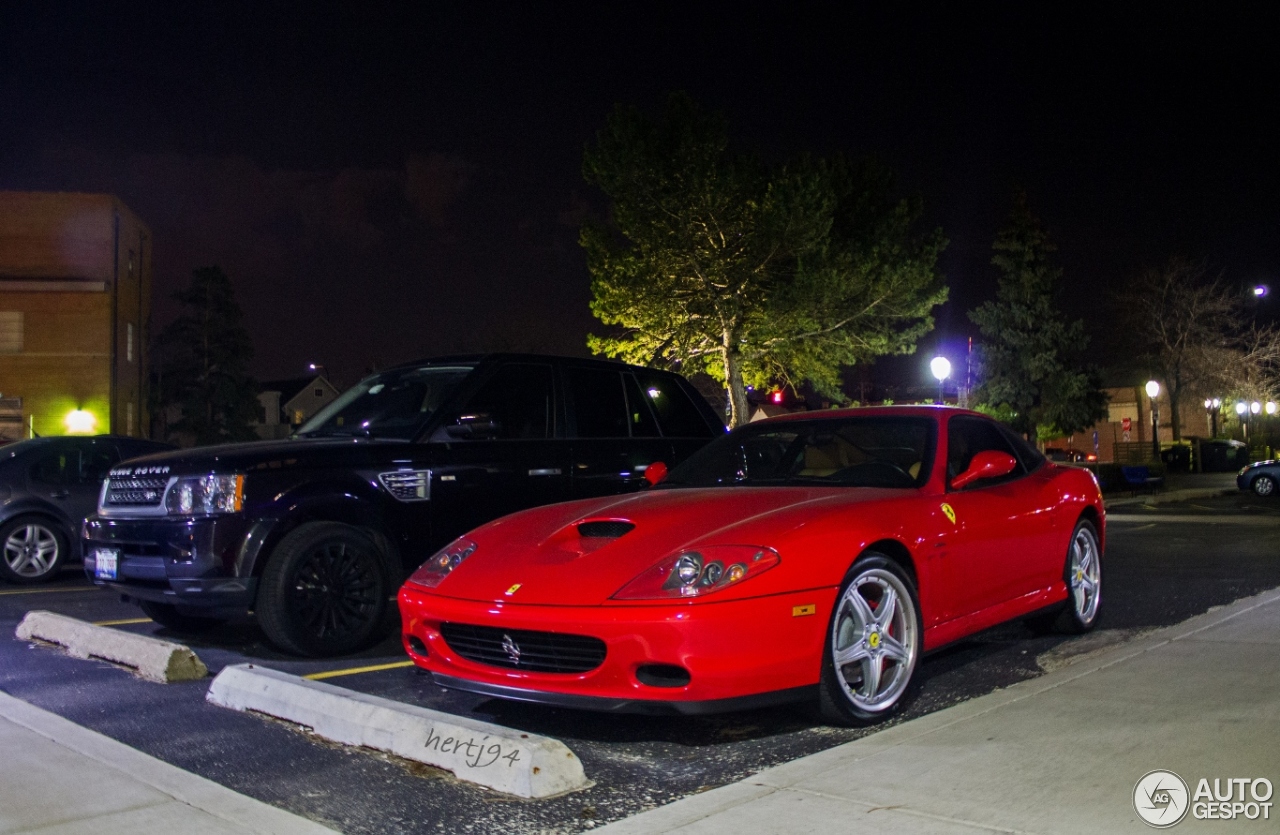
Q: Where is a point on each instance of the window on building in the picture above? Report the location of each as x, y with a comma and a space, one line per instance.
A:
128, 345
319, 393
11, 336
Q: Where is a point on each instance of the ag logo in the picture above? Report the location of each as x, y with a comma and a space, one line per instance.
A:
949, 512
1161, 799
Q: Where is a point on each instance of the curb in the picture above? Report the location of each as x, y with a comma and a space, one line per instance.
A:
153, 659
489, 755
102, 753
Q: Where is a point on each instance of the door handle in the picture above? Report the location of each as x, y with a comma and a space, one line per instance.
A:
545, 471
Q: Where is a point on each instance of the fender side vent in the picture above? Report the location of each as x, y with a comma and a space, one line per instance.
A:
408, 485
605, 528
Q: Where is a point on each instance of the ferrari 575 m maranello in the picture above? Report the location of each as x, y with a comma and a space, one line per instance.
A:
809, 557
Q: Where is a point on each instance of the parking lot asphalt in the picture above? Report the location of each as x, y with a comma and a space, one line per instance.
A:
1159, 574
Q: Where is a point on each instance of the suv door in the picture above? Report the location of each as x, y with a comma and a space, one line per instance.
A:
502, 452
615, 434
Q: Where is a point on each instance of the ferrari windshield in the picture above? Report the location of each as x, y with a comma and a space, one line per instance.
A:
879, 451
394, 404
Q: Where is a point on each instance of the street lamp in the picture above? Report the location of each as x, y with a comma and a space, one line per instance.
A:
1153, 391
1212, 406
941, 368
1242, 408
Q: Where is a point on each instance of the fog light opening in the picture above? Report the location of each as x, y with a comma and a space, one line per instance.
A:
415, 645
663, 675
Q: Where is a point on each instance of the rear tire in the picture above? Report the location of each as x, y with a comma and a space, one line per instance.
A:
32, 550
324, 591
873, 644
1083, 576
168, 616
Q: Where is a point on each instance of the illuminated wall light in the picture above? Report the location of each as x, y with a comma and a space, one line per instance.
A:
80, 422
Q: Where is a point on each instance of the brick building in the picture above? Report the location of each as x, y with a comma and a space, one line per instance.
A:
75, 297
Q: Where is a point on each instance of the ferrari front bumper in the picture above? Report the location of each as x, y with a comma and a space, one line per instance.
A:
737, 654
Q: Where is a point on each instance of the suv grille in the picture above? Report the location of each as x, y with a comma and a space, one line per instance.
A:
135, 492
408, 485
537, 652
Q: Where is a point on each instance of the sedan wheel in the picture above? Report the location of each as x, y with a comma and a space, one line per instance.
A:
34, 550
1264, 485
873, 644
324, 591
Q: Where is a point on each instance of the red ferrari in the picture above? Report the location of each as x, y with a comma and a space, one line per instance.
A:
813, 556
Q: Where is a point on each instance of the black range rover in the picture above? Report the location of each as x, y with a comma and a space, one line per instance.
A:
315, 534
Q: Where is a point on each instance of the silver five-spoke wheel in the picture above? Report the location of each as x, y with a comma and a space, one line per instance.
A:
1084, 574
874, 642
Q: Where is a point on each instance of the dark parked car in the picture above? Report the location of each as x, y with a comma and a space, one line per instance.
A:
1261, 478
1223, 456
47, 487
315, 534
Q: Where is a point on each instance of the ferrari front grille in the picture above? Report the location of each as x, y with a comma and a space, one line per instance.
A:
518, 649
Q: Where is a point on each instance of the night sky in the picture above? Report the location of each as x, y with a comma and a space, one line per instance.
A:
388, 181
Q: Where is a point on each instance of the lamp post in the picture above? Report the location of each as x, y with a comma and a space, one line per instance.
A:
941, 368
1242, 409
1153, 391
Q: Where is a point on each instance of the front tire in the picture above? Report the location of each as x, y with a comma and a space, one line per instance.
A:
34, 550
1264, 485
873, 644
323, 592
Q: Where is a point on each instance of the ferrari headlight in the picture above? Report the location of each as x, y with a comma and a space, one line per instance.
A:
434, 570
205, 495
695, 573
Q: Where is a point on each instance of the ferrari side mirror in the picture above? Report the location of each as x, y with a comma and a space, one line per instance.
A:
988, 464
655, 472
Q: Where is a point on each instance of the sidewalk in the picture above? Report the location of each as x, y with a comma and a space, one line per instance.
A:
1058, 754
58, 777
1178, 487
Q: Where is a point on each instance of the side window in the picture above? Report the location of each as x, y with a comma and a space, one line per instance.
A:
55, 467
677, 415
95, 462
967, 436
643, 424
518, 398
598, 403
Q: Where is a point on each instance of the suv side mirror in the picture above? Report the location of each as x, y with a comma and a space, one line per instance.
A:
474, 426
988, 464
655, 472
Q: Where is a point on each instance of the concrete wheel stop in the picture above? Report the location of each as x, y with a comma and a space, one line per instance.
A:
152, 658
506, 760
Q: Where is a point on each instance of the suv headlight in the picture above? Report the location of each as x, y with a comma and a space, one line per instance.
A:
205, 495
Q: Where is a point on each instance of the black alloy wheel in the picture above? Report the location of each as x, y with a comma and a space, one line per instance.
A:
324, 591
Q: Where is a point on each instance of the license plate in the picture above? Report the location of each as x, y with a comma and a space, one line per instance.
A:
104, 563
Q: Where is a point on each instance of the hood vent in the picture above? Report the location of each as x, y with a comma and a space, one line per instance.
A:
605, 528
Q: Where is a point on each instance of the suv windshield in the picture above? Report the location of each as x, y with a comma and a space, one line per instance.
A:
394, 404
848, 452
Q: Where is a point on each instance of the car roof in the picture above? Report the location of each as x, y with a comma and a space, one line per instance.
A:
874, 411
506, 356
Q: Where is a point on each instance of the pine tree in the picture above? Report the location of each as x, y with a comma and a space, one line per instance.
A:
202, 362
1032, 367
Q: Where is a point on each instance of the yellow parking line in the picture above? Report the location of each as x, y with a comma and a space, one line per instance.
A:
375, 668
49, 591
125, 622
